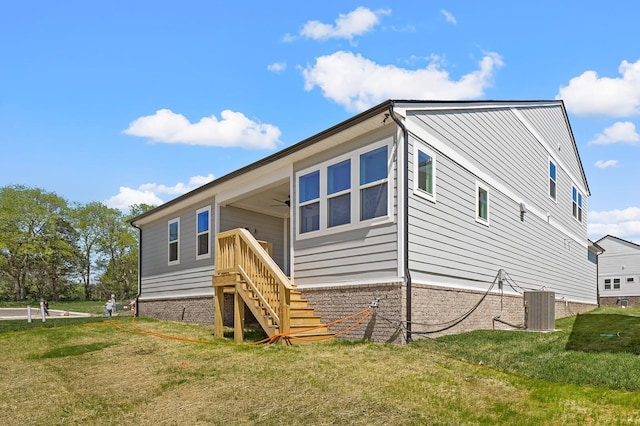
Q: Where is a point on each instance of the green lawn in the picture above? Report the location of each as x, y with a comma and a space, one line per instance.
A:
126, 372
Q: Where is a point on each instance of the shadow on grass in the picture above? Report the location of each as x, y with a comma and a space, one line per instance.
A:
610, 333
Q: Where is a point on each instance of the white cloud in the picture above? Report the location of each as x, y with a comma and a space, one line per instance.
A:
622, 131
589, 94
358, 83
606, 164
623, 224
233, 130
357, 22
149, 193
449, 16
277, 67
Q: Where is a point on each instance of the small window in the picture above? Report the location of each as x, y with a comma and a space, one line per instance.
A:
631, 280
424, 172
203, 242
552, 180
482, 204
576, 197
616, 283
607, 284
309, 202
373, 183
339, 193
174, 241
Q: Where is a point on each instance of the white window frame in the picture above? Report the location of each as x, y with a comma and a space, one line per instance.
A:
630, 280
605, 283
169, 242
208, 231
354, 190
577, 209
549, 180
479, 219
417, 147
614, 283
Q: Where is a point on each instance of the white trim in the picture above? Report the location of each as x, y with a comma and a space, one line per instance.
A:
207, 255
446, 150
177, 242
375, 281
485, 188
419, 145
400, 175
355, 222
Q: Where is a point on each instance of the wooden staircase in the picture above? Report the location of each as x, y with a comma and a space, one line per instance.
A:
245, 269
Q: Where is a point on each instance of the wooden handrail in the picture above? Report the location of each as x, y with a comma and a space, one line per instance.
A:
237, 251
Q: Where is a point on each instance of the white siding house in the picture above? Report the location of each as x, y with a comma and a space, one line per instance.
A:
619, 272
419, 204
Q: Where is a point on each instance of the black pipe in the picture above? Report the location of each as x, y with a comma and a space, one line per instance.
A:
407, 272
135, 313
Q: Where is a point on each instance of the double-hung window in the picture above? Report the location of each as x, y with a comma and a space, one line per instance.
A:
344, 193
174, 241
424, 175
373, 183
552, 180
482, 204
616, 283
309, 202
339, 193
203, 224
607, 284
577, 204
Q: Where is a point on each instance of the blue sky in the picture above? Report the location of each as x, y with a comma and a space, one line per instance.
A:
140, 101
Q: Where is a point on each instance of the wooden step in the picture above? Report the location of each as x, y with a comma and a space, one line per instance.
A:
304, 320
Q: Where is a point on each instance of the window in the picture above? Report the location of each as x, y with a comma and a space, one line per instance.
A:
345, 192
203, 244
339, 193
373, 183
482, 204
616, 283
309, 202
174, 241
552, 180
576, 197
607, 284
630, 280
424, 172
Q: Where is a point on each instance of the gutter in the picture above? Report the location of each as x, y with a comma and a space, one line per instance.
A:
135, 314
407, 273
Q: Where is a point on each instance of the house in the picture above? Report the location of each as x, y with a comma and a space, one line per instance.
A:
439, 213
619, 272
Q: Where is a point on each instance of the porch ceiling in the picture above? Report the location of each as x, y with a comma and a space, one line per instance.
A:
269, 200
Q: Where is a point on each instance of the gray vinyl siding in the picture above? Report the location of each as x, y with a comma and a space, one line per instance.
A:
190, 276
447, 244
357, 255
620, 259
499, 143
262, 227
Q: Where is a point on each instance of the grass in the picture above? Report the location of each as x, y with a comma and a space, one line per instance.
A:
115, 371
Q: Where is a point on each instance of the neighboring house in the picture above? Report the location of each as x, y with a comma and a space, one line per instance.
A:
619, 272
419, 204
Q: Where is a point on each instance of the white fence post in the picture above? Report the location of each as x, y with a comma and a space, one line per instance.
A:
29, 313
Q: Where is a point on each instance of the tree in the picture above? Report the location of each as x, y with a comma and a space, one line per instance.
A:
89, 221
29, 218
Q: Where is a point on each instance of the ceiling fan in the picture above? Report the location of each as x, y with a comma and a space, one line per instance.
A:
283, 203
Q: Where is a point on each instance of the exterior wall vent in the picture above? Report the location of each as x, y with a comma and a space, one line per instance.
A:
539, 310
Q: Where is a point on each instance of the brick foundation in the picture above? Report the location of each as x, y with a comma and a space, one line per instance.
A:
617, 300
196, 310
431, 306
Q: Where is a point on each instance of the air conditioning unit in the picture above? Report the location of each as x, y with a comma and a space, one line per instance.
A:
539, 310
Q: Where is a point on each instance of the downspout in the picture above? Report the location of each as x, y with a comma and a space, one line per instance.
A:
405, 221
135, 314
